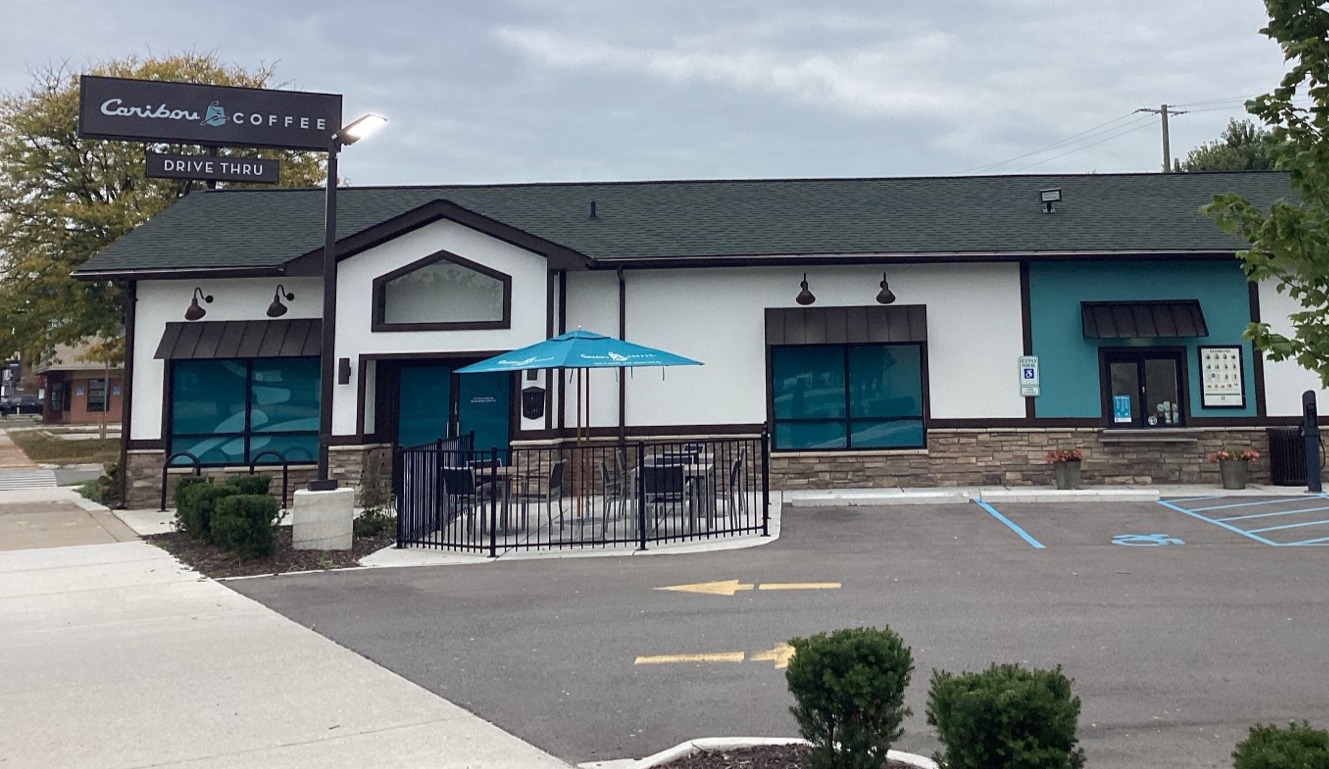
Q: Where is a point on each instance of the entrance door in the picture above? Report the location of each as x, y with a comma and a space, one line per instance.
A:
483, 406
424, 403
1144, 388
435, 402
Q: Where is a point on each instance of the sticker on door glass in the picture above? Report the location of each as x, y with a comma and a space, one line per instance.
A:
1121, 408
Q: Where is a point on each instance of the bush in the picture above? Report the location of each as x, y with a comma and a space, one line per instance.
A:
250, 484
246, 524
1005, 717
195, 503
374, 522
1296, 747
849, 687
108, 485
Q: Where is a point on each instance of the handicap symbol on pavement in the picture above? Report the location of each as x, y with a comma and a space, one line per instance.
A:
1145, 540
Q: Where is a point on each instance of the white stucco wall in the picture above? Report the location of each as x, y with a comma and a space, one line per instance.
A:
355, 279
165, 301
717, 316
1285, 381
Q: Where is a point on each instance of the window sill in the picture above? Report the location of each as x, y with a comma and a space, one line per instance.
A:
796, 453
1151, 435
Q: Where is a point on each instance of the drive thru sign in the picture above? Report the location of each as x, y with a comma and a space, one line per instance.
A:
1029, 376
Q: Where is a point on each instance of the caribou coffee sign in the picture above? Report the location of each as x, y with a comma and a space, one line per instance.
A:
159, 111
210, 168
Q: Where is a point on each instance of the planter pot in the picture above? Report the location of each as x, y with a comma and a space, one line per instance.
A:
1066, 474
1233, 472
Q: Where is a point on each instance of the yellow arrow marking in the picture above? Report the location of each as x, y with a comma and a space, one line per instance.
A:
661, 659
726, 587
799, 586
780, 655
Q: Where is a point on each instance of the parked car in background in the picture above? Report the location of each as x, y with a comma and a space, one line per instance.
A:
20, 404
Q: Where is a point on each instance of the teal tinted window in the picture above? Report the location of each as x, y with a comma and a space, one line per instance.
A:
886, 381
208, 396
847, 396
284, 395
227, 412
808, 382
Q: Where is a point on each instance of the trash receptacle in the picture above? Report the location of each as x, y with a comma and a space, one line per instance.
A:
1287, 457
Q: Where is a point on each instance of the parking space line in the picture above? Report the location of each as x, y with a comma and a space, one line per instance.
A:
1289, 526
1319, 541
1198, 499
1273, 501
1269, 515
1216, 522
1009, 523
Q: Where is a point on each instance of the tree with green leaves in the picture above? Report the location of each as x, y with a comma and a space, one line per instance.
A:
62, 199
1242, 146
1289, 243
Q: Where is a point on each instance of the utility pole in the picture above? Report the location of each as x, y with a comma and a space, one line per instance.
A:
1162, 112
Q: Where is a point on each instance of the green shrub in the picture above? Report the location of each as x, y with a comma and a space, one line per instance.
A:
250, 484
246, 525
1005, 717
849, 687
374, 522
1296, 747
195, 504
108, 485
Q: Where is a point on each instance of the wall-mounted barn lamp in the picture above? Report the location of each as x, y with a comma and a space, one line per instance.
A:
885, 296
277, 309
804, 296
196, 310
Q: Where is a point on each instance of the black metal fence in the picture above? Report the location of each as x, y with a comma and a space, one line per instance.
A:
454, 497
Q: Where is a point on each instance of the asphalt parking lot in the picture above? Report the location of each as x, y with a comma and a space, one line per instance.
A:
1181, 626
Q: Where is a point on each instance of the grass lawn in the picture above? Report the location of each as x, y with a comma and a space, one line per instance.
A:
44, 449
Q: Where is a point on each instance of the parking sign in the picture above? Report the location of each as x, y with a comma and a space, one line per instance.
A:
1029, 386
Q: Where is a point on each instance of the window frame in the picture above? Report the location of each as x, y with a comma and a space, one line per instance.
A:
379, 305
104, 404
1139, 355
848, 420
249, 433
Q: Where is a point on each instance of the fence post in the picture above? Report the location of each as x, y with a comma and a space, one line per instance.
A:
765, 481
641, 495
441, 511
493, 502
399, 487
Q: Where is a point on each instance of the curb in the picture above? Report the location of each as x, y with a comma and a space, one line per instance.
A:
690, 747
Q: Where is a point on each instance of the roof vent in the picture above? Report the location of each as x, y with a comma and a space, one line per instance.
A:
1048, 197
592, 216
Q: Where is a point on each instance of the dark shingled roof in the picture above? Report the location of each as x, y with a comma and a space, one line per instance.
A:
1137, 213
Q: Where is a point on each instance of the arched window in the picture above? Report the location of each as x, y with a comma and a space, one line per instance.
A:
442, 292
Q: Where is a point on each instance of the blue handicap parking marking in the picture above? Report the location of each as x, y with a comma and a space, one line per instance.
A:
1274, 521
1035, 544
1145, 540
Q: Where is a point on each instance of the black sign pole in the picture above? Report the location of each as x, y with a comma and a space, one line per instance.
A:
327, 354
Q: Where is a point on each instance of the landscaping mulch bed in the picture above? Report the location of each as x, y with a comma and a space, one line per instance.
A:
760, 757
214, 562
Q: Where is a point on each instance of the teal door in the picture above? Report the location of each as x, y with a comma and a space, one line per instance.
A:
483, 406
424, 404
434, 403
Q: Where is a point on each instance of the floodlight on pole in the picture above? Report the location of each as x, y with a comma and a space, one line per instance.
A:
349, 134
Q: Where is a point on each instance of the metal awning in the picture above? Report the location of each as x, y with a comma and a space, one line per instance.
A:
208, 340
1167, 319
846, 325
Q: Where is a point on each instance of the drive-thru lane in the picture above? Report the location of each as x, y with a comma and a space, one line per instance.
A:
1176, 648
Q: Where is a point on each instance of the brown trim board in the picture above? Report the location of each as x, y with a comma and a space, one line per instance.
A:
1257, 356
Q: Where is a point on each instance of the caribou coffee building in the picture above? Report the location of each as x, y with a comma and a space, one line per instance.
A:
890, 332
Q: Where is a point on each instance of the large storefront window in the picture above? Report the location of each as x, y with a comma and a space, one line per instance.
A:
847, 396
1144, 388
228, 412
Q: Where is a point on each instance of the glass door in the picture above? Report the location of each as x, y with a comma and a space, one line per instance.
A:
483, 406
424, 403
1144, 389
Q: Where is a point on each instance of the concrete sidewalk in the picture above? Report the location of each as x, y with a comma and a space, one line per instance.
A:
115, 656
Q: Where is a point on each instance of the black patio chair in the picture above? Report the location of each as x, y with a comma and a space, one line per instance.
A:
666, 487
543, 488
459, 489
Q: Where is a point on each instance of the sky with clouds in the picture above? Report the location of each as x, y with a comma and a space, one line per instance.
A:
490, 91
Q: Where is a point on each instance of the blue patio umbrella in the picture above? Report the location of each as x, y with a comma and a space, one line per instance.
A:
579, 349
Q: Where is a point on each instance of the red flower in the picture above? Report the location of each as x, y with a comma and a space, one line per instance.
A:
1063, 455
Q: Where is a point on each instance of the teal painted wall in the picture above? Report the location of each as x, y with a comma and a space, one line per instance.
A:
1069, 369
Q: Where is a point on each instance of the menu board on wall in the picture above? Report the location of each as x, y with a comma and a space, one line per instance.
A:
1221, 375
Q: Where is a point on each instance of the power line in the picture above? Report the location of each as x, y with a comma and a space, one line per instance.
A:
1068, 140
1094, 144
